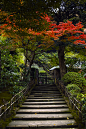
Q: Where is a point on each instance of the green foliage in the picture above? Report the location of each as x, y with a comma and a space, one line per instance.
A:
10, 70
84, 109
42, 71
47, 60
5, 95
76, 92
84, 70
73, 87
16, 89
75, 78
80, 96
73, 93
70, 9
29, 6
84, 112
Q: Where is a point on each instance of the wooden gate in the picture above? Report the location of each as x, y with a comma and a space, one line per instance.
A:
45, 79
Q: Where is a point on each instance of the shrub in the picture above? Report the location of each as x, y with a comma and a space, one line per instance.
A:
80, 96
74, 78
73, 87
83, 109
75, 91
16, 89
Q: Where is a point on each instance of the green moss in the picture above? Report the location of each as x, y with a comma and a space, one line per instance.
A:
7, 93
4, 123
5, 96
42, 71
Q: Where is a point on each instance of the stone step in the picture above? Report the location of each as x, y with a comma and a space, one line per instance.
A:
73, 127
48, 87
45, 103
38, 128
43, 106
43, 95
42, 123
38, 100
43, 109
46, 93
45, 86
66, 116
42, 91
35, 111
33, 97
45, 89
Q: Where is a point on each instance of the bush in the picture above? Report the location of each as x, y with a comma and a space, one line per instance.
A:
16, 89
80, 96
75, 91
73, 87
83, 109
74, 78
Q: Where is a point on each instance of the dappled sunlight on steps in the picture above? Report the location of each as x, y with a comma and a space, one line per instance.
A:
43, 109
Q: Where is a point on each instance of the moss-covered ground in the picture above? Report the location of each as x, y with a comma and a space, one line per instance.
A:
5, 96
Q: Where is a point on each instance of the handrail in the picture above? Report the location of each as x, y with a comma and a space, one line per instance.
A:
76, 105
8, 107
73, 102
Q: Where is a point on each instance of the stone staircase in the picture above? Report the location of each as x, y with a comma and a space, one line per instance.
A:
43, 109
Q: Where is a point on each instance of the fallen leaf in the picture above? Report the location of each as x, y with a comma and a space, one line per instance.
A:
67, 118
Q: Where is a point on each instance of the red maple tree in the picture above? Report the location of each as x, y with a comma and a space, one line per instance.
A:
49, 32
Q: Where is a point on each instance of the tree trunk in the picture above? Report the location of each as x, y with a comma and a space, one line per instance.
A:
62, 65
25, 54
31, 61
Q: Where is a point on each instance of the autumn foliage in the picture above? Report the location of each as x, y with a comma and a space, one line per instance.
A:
71, 33
46, 29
